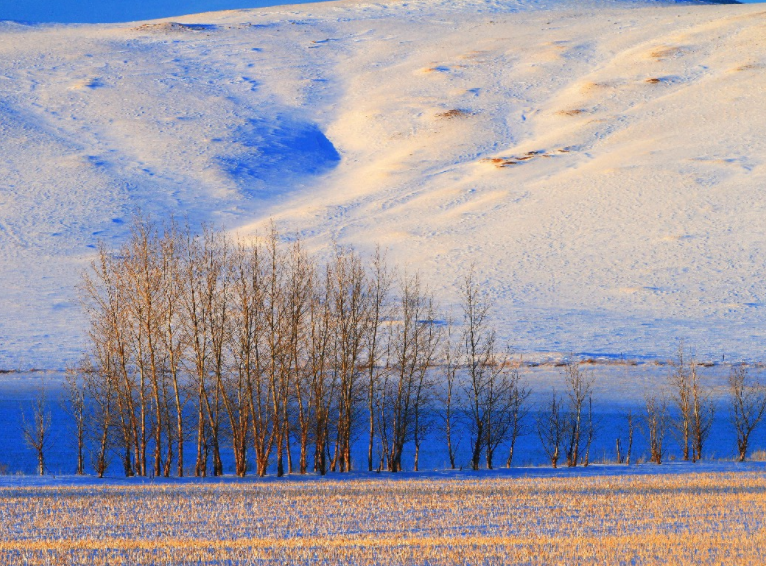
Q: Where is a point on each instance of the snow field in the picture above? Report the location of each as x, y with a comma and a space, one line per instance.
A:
600, 163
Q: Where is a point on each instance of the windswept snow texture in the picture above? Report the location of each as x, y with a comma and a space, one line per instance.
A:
601, 163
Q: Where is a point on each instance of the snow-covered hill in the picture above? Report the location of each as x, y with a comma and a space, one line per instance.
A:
602, 163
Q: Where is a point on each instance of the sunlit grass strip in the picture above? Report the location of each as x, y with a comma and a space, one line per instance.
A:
685, 519
656, 540
676, 549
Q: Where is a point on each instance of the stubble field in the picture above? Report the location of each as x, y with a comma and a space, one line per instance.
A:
708, 518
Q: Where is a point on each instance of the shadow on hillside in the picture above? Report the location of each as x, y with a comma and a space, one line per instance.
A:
275, 151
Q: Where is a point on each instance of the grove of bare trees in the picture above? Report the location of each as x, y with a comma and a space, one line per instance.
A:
205, 348
257, 347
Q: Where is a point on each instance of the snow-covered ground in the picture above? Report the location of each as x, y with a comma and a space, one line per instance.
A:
591, 471
602, 163
105, 11
485, 518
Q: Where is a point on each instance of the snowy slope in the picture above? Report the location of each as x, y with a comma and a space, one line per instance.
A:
601, 162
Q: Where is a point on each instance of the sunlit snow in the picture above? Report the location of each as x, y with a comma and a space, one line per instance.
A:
600, 162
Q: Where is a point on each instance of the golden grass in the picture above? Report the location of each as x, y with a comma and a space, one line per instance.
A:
501, 162
665, 51
590, 87
748, 67
454, 113
684, 519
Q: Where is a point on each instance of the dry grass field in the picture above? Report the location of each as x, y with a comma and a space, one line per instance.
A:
655, 519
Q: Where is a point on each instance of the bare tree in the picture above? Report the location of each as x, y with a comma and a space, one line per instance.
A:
424, 387
299, 281
448, 394
579, 391
484, 371
36, 429
276, 345
74, 404
680, 383
413, 342
173, 339
234, 349
551, 428
492, 393
591, 428
219, 283
380, 283
106, 303
702, 409
100, 384
748, 406
499, 403
200, 273
322, 379
301, 296
518, 393
655, 424
351, 308
142, 287
630, 422
250, 352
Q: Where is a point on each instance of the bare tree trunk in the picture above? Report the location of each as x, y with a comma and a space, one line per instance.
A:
379, 288
680, 382
451, 367
201, 272
98, 383
551, 426
322, 388
656, 423
126, 431
478, 351
106, 301
37, 432
172, 337
351, 307
288, 447
143, 287
631, 428
579, 388
747, 407
167, 409
200, 466
75, 388
518, 393
703, 412
590, 432
448, 432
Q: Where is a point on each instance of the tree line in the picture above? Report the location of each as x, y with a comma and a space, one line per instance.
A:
259, 347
